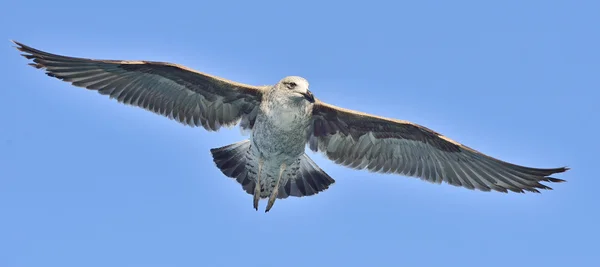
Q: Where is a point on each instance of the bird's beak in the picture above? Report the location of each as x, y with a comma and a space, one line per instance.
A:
309, 96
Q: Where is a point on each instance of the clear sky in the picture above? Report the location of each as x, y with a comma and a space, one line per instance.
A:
86, 181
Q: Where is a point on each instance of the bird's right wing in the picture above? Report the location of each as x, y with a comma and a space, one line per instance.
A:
359, 140
174, 91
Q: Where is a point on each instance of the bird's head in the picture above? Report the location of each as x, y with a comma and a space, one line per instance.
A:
295, 87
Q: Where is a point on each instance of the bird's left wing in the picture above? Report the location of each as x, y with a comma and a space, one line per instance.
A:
360, 140
174, 91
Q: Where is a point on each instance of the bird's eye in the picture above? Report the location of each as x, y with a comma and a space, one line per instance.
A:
291, 85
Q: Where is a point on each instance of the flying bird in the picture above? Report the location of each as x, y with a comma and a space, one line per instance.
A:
282, 120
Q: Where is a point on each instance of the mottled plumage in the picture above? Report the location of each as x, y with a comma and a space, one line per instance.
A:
283, 119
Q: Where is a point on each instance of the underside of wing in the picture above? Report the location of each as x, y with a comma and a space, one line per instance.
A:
363, 141
177, 92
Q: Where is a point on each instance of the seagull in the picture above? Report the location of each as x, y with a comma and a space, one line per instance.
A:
282, 120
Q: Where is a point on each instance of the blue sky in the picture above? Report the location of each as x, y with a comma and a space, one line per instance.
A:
85, 181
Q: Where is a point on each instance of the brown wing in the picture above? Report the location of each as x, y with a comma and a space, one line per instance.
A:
190, 97
360, 140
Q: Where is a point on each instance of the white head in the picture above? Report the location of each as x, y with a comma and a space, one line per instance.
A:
296, 87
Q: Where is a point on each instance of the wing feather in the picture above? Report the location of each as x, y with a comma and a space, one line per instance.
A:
359, 140
174, 91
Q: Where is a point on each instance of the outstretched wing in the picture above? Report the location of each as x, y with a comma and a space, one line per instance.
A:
188, 96
360, 140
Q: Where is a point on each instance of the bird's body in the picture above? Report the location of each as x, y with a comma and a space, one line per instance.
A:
278, 138
280, 130
283, 119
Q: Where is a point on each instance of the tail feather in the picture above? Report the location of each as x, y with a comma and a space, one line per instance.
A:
233, 161
305, 179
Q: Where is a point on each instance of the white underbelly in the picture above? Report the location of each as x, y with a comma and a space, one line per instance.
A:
281, 138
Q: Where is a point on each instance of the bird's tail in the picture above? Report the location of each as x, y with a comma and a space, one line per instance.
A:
303, 178
235, 161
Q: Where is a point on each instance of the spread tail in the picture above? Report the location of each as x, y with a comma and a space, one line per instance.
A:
304, 178
235, 162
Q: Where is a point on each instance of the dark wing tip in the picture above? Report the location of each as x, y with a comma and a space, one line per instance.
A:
549, 179
21, 47
37, 56
561, 169
554, 180
36, 65
28, 53
555, 171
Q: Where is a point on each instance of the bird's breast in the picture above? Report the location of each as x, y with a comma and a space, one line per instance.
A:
280, 133
285, 119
